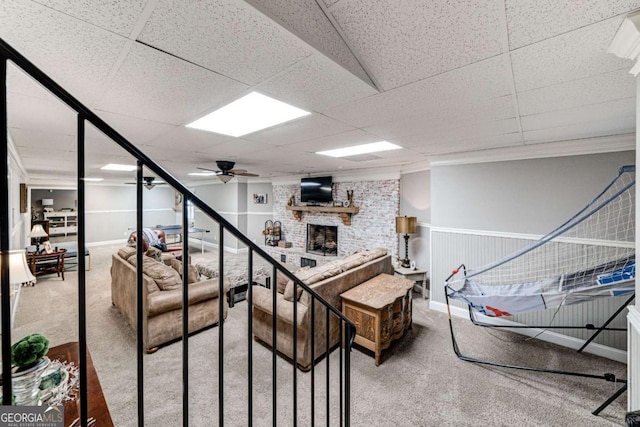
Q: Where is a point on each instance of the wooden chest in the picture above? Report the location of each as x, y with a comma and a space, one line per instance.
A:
381, 310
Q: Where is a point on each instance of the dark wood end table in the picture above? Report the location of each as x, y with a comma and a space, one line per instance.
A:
44, 263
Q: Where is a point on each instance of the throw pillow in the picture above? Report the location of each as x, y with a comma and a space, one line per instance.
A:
165, 277
192, 277
281, 282
126, 252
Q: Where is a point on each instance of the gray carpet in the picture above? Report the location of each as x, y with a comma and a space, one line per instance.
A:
419, 383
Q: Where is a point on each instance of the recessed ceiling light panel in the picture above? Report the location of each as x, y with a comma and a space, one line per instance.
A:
373, 147
248, 114
93, 179
117, 167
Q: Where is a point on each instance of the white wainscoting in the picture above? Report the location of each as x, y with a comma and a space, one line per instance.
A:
452, 247
633, 361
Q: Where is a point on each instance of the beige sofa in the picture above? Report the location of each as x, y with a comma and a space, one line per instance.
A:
329, 281
162, 297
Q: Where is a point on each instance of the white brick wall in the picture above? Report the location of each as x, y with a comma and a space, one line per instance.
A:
372, 227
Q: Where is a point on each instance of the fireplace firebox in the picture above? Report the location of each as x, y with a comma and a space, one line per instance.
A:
322, 239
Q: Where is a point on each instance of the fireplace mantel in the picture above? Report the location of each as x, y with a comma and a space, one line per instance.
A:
345, 213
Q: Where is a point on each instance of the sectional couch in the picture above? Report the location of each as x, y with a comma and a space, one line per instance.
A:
329, 281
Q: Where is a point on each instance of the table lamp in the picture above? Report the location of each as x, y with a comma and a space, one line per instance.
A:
406, 225
37, 232
19, 271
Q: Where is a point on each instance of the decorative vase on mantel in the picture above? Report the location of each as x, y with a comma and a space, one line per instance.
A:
26, 382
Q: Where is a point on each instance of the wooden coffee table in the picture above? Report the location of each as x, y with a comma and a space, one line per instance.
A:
96, 404
381, 310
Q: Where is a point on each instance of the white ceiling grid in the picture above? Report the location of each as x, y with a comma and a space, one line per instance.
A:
449, 78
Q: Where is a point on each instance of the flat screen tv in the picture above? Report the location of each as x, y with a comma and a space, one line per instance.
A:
316, 190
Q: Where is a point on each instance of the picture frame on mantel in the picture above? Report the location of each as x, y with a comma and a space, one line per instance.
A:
260, 198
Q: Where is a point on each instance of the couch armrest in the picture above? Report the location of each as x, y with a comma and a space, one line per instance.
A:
163, 301
262, 299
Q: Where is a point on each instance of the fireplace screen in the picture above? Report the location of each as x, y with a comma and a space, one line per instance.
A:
322, 239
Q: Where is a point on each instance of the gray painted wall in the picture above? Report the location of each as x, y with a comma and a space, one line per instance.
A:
62, 199
415, 200
258, 213
524, 196
111, 210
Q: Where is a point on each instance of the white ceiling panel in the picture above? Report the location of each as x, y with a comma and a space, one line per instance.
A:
317, 84
584, 114
118, 17
344, 139
226, 36
43, 115
475, 144
455, 89
158, 87
403, 42
532, 21
592, 90
189, 139
617, 126
308, 21
136, 130
77, 55
572, 56
309, 127
483, 112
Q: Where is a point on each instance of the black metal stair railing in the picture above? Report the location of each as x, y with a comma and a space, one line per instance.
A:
336, 413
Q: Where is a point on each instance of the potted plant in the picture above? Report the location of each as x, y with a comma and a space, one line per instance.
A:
29, 360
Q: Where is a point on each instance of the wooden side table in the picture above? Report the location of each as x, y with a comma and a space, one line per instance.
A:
44, 263
415, 274
381, 310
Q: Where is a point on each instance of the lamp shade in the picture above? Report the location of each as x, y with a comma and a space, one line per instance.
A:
19, 271
47, 202
406, 224
38, 231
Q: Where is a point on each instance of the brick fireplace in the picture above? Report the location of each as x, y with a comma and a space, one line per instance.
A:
322, 239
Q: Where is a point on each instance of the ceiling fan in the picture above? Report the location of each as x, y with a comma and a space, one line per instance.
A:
227, 171
149, 182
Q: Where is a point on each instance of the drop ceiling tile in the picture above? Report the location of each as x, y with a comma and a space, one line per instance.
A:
462, 146
77, 55
153, 86
38, 114
226, 36
190, 139
570, 56
116, 16
583, 114
531, 21
306, 128
317, 84
616, 126
403, 42
136, 130
591, 90
309, 22
484, 111
455, 89
34, 142
344, 139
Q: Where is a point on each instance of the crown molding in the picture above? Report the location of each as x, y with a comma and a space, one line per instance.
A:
626, 42
575, 147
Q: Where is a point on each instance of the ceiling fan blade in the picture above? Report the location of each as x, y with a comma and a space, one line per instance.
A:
208, 170
238, 171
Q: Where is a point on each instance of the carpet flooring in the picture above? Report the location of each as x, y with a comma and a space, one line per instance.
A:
419, 383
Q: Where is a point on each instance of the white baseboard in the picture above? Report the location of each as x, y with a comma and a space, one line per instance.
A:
541, 334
